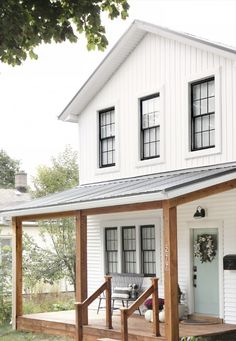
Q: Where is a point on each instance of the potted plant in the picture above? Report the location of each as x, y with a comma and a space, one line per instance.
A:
149, 313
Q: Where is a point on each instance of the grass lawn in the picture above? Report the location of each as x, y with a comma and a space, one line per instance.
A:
7, 334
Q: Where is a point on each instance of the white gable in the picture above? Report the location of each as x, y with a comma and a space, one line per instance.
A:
120, 52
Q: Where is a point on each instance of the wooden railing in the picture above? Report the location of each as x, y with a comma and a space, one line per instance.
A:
80, 308
127, 312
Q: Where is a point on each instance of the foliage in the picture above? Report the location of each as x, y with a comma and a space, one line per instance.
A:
190, 338
63, 174
5, 284
40, 304
148, 303
8, 168
205, 248
25, 24
53, 256
10, 335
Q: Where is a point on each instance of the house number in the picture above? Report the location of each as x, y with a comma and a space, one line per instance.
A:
166, 258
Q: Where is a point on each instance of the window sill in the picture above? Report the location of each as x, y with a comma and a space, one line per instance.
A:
107, 170
202, 153
150, 162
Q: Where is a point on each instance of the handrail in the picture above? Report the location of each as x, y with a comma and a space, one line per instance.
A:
80, 307
127, 312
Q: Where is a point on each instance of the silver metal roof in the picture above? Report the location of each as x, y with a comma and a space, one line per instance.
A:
129, 190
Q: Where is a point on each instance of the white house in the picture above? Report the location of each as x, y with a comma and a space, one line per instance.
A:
10, 196
157, 145
163, 101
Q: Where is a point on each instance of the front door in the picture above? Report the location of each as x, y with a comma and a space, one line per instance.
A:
206, 271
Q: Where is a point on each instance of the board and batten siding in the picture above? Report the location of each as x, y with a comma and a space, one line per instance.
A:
220, 212
162, 65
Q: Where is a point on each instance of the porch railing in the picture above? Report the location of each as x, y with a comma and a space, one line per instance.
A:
80, 308
127, 312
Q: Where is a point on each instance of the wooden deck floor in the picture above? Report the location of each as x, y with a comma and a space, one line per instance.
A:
63, 323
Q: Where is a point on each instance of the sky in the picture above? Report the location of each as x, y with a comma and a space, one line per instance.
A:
34, 94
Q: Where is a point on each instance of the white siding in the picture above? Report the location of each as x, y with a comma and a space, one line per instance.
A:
157, 64
220, 211
96, 225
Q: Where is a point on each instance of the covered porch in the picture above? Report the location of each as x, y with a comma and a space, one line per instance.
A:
63, 323
164, 192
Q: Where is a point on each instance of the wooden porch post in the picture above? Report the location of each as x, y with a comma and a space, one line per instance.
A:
81, 261
17, 277
170, 272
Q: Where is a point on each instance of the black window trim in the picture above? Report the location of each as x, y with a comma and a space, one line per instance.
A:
133, 250
192, 84
142, 99
106, 251
100, 138
141, 241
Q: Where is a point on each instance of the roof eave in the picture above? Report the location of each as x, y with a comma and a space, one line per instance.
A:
170, 193
103, 72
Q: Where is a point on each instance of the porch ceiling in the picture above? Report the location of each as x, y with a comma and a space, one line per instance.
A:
155, 187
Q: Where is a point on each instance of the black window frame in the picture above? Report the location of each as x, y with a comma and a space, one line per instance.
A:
195, 117
125, 261
142, 129
102, 139
113, 251
147, 250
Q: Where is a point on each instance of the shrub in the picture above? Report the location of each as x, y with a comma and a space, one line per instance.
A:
148, 303
5, 285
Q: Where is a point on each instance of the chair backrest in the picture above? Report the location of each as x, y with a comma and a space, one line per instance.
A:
126, 279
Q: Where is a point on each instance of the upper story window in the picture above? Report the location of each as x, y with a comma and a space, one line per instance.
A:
150, 126
148, 250
129, 249
111, 249
203, 114
107, 137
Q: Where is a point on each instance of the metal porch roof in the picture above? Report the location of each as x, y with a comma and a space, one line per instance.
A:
159, 186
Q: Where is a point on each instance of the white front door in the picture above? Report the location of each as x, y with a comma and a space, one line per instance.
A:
206, 271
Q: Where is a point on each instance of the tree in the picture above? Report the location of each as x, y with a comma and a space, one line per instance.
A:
62, 175
8, 169
53, 257
25, 24
5, 284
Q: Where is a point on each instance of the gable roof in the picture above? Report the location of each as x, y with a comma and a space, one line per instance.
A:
11, 196
125, 45
152, 187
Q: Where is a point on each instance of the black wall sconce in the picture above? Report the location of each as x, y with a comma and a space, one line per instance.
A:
200, 213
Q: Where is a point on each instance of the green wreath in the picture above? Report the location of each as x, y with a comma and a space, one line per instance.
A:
205, 248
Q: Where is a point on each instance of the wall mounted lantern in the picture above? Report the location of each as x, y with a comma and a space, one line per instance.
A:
200, 213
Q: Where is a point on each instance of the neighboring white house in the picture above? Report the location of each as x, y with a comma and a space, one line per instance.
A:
10, 196
20, 195
157, 121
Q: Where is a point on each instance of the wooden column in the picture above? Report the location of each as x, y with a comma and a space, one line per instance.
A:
170, 272
17, 276
81, 261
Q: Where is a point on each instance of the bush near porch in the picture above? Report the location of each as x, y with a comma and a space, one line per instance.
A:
41, 303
